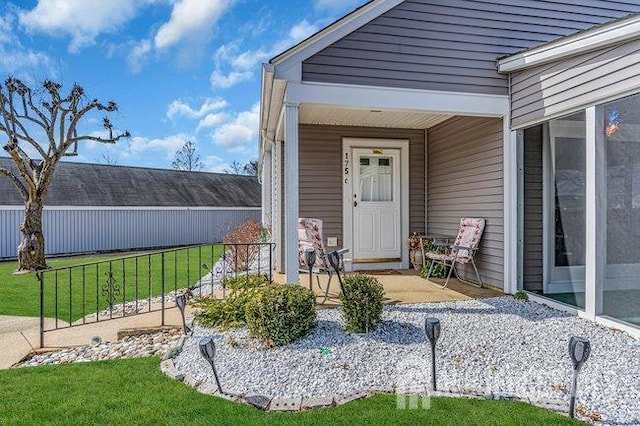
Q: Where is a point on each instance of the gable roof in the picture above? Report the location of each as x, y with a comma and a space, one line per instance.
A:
80, 184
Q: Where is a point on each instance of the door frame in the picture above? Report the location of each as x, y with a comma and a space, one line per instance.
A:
556, 279
348, 144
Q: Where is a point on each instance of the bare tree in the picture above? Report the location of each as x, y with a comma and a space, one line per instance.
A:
251, 168
40, 132
106, 158
235, 168
187, 158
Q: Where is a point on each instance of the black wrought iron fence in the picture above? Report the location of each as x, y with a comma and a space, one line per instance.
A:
130, 285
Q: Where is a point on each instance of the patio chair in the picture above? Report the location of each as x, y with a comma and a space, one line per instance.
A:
462, 251
310, 239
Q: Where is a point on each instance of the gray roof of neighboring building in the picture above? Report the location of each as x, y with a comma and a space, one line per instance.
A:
79, 184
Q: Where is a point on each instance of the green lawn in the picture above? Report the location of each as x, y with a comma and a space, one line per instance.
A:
73, 291
135, 392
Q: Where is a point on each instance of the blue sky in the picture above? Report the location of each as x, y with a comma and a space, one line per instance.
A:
178, 69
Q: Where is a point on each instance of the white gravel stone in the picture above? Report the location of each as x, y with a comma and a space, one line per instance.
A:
500, 346
129, 347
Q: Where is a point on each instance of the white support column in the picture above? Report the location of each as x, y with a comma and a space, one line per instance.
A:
291, 197
266, 189
276, 207
510, 208
591, 212
426, 181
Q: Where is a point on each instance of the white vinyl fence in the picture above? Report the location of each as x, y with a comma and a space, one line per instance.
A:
89, 229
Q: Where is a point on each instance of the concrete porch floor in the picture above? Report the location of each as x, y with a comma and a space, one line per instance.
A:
403, 286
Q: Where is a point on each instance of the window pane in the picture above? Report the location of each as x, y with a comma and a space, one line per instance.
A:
620, 133
376, 179
554, 196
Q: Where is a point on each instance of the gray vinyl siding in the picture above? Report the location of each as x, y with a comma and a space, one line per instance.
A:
321, 173
103, 229
452, 45
532, 249
562, 86
465, 179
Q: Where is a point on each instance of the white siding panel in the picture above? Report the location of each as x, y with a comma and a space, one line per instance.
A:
86, 231
562, 86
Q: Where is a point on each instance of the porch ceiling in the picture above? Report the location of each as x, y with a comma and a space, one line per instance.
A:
336, 116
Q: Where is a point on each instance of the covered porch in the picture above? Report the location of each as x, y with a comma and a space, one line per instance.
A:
401, 287
378, 164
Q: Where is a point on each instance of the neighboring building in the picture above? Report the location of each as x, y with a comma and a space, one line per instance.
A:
524, 113
92, 207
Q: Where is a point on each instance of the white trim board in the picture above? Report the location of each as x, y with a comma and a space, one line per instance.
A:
601, 36
347, 210
178, 208
398, 99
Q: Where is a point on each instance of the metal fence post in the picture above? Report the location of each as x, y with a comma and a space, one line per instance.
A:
162, 286
41, 280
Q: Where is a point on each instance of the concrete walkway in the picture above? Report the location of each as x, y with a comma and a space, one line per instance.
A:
15, 346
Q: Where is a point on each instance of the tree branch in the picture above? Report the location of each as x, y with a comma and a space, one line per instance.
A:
98, 139
23, 166
23, 191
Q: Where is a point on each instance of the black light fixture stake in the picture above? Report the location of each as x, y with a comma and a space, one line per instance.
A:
432, 329
310, 257
579, 350
181, 302
334, 261
208, 351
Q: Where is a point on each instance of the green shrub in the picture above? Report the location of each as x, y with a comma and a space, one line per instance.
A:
361, 303
521, 295
439, 270
280, 314
230, 311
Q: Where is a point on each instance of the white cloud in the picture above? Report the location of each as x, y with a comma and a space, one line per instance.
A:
190, 19
212, 120
239, 133
242, 65
81, 19
138, 55
222, 81
180, 108
16, 59
169, 145
215, 164
302, 30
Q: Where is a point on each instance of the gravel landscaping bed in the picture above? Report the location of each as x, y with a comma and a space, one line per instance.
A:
499, 346
129, 347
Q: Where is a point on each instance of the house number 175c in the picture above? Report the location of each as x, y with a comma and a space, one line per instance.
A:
346, 168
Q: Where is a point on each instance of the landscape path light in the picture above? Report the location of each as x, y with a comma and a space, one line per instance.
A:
579, 350
208, 351
181, 302
310, 257
432, 329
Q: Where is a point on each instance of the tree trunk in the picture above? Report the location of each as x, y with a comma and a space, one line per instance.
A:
31, 248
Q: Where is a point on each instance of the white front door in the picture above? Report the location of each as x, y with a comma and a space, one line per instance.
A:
376, 202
